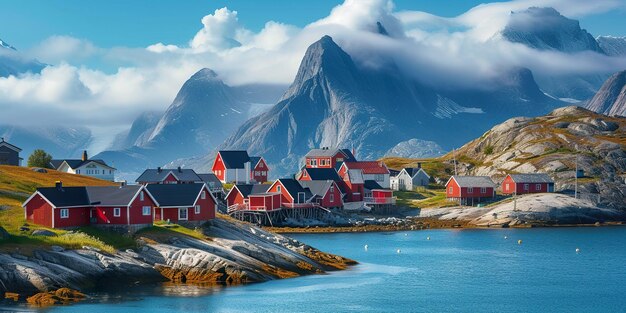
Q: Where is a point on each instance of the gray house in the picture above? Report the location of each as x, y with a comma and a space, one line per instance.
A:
9, 154
410, 178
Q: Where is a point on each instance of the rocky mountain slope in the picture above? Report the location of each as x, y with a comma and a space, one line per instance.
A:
613, 46
230, 253
611, 98
547, 29
554, 144
204, 112
334, 101
14, 63
60, 141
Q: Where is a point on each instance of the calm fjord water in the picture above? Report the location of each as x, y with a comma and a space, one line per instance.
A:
456, 270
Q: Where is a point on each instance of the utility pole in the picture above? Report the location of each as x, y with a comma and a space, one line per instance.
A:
454, 159
576, 178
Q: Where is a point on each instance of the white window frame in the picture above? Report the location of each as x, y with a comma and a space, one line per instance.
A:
117, 212
197, 209
506, 187
470, 189
332, 197
148, 212
526, 187
64, 213
203, 195
483, 190
278, 189
537, 187
450, 189
180, 210
141, 196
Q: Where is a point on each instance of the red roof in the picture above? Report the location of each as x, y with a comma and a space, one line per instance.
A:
368, 167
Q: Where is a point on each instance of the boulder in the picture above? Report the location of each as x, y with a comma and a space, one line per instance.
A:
43, 232
39, 170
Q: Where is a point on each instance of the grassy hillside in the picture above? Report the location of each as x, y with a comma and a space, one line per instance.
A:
17, 184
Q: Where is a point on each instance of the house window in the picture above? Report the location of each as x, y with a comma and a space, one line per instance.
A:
65, 213
278, 189
525, 186
379, 177
264, 173
483, 190
470, 189
304, 174
117, 212
314, 162
182, 214
77, 171
203, 195
332, 188
506, 187
146, 210
332, 197
538, 187
141, 197
197, 209
450, 190
260, 165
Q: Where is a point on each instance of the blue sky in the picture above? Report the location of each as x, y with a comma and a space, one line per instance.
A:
25, 23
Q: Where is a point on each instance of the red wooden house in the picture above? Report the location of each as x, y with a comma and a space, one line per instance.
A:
236, 166
168, 176
62, 207
517, 184
353, 184
293, 195
126, 205
469, 189
326, 193
183, 202
328, 158
253, 197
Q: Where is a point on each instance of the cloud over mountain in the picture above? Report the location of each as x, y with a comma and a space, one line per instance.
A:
458, 52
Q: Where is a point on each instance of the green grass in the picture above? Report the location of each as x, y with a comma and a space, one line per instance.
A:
162, 228
425, 198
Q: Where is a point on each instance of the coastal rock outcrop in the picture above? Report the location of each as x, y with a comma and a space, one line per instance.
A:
232, 253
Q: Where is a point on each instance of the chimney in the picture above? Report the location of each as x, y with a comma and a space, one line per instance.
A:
159, 169
85, 158
59, 185
180, 170
419, 164
123, 183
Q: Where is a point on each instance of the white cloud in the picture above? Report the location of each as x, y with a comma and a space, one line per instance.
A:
453, 51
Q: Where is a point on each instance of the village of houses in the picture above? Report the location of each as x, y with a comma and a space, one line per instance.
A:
332, 180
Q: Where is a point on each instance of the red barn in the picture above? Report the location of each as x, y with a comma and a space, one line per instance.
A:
469, 189
327, 193
517, 184
183, 203
236, 166
168, 176
328, 158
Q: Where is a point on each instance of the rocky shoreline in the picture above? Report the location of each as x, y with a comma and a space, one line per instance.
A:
231, 253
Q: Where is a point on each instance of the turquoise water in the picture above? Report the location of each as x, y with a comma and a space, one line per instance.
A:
454, 271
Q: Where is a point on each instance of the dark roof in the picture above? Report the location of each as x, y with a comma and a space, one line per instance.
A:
532, 178
234, 158
154, 175
323, 174
66, 196
393, 173
324, 152
112, 195
371, 185
210, 178
252, 189
349, 156
76, 163
10, 146
254, 160
183, 195
317, 187
473, 181
293, 187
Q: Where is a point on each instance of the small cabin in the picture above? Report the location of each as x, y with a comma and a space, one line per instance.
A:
183, 203
9, 154
470, 190
517, 184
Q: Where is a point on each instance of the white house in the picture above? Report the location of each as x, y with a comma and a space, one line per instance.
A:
88, 167
410, 178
